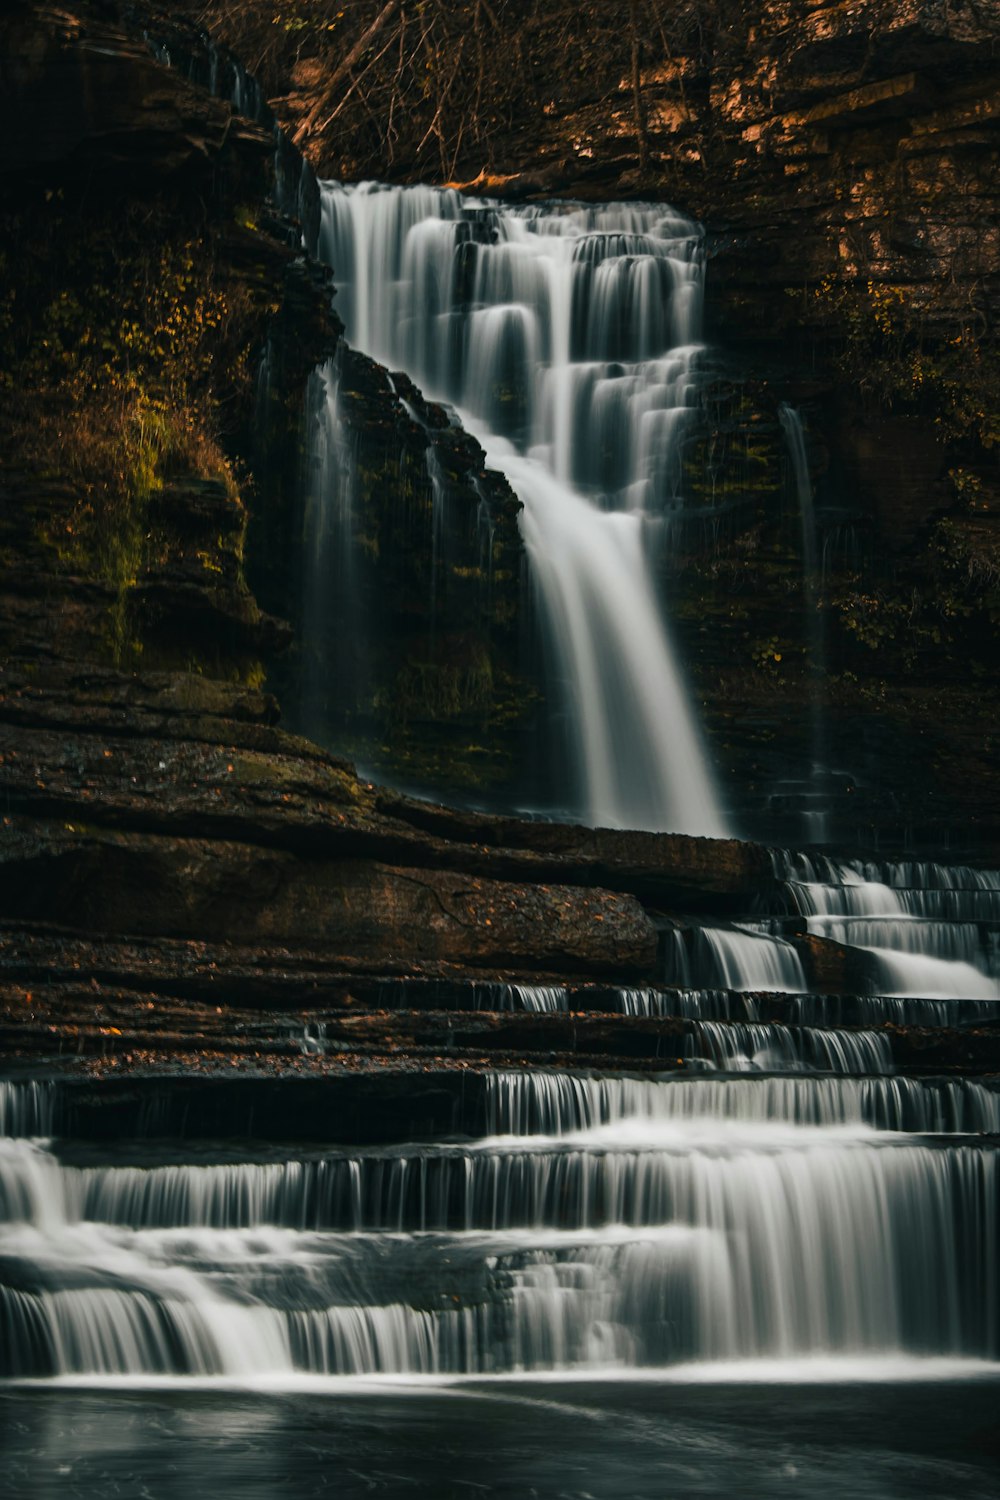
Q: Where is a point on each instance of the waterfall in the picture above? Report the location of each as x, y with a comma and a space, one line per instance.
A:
924, 926
816, 1203
566, 337
328, 586
700, 1005
782, 1193
558, 1105
603, 1222
732, 959
541, 997
791, 424
742, 1047
922, 935
221, 73
26, 1109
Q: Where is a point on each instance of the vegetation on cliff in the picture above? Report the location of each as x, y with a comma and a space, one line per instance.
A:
138, 294
125, 350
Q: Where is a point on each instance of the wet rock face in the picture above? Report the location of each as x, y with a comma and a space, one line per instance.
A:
173, 807
863, 146
400, 564
79, 87
901, 462
832, 968
128, 883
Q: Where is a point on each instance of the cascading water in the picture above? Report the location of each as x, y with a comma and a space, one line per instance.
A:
732, 958
600, 1223
328, 583
923, 926
739, 960
25, 1109
745, 1047
922, 937
816, 1204
567, 339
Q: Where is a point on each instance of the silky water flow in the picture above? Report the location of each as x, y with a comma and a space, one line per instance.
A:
567, 341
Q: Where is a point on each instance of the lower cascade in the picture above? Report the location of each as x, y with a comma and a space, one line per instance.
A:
785, 1193
925, 928
600, 1222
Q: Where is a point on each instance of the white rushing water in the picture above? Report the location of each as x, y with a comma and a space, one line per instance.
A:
917, 931
791, 1198
602, 1223
704, 957
25, 1108
567, 338
327, 527
745, 1047
924, 926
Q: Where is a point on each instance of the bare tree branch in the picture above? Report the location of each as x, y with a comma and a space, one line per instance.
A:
385, 15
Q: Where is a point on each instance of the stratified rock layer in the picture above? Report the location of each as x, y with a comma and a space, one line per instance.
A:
171, 806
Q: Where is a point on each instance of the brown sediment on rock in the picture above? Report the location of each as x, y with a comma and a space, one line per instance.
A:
186, 760
832, 968
124, 882
101, 1032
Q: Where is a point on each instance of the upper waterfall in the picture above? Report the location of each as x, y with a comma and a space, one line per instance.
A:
567, 338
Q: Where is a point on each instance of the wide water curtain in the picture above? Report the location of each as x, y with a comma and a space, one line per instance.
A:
599, 1224
567, 339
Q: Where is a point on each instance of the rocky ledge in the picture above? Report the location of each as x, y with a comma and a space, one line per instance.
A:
187, 889
172, 806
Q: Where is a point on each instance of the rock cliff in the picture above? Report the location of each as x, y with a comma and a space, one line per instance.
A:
817, 139
844, 161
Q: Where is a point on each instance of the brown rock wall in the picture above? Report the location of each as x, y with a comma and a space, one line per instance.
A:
75, 86
198, 888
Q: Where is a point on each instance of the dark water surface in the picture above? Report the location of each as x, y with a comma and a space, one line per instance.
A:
628, 1441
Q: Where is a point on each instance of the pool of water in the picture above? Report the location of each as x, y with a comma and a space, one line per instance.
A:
632, 1440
